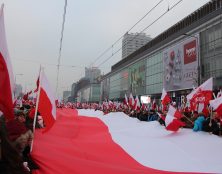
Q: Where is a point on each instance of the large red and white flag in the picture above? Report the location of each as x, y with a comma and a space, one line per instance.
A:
6, 74
172, 119
165, 99
46, 103
201, 95
122, 145
216, 104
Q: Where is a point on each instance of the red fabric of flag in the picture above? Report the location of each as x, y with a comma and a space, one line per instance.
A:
46, 105
172, 119
6, 75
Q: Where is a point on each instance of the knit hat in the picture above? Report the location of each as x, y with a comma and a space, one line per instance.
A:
15, 129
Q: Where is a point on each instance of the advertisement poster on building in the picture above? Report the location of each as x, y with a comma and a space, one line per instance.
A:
124, 80
137, 77
180, 65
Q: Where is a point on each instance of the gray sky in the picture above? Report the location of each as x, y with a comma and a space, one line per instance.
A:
33, 33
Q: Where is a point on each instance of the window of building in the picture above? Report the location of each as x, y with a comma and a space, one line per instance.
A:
154, 73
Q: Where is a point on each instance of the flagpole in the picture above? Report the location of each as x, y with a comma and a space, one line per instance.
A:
211, 113
37, 104
188, 118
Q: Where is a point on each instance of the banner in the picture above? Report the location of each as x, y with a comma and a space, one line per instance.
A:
180, 64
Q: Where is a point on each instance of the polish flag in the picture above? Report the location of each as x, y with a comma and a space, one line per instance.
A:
143, 107
219, 94
154, 104
201, 95
172, 119
216, 104
165, 98
125, 100
6, 74
161, 116
119, 144
137, 104
46, 103
131, 100
110, 104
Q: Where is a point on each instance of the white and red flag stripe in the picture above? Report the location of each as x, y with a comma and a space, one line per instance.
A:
137, 104
201, 95
6, 74
46, 103
154, 104
202, 90
219, 94
125, 100
172, 119
131, 101
165, 99
122, 145
216, 104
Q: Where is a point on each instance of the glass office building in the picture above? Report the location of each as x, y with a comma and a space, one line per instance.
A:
184, 56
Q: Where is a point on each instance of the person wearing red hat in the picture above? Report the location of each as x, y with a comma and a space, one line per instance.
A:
10, 159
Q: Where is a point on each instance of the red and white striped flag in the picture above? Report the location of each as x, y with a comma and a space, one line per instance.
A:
46, 104
131, 100
154, 104
137, 104
201, 95
165, 99
122, 145
172, 119
6, 74
216, 104
219, 94
125, 100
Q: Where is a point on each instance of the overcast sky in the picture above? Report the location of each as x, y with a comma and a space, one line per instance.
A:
33, 33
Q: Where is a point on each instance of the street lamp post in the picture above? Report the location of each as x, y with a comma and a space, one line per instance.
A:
199, 79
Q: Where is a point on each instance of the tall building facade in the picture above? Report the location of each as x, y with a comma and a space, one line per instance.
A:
132, 42
87, 89
92, 74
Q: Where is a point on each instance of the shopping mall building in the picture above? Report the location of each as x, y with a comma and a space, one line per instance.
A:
180, 58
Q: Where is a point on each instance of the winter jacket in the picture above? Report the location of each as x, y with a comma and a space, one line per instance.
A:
198, 124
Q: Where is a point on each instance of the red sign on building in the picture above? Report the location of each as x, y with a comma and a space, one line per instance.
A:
190, 52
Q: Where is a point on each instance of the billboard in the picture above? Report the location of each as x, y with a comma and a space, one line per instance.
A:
180, 64
124, 80
137, 77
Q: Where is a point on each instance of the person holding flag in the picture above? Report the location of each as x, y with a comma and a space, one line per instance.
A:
46, 102
165, 100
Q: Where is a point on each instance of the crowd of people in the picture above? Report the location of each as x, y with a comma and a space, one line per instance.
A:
205, 121
16, 140
17, 134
